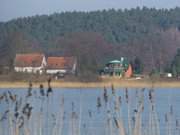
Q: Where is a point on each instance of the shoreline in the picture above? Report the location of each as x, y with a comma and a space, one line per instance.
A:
107, 83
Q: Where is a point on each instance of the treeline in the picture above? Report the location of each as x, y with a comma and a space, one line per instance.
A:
149, 36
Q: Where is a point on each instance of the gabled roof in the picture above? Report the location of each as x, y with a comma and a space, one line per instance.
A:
60, 62
29, 60
115, 62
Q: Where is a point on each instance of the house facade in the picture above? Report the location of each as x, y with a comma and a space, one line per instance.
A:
62, 65
30, 63
120, 68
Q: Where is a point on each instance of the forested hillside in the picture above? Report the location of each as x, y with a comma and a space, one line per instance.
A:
152, 36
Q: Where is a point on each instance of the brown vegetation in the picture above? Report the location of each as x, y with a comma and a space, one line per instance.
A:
105, 82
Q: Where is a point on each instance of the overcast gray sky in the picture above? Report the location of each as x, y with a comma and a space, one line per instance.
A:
10, 9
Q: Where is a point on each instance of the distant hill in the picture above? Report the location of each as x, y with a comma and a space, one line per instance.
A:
150, 35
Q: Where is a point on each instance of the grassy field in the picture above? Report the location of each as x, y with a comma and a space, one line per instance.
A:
105, 82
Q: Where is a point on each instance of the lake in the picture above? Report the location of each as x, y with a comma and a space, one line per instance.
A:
90, 111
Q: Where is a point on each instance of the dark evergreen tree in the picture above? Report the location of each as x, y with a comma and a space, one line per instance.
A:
176, 64
137, 66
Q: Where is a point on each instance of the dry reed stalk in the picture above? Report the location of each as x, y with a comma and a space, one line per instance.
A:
47, 116
80, 113
109, 111
30, 125
42, 96
8, 119
40, 123
60, 120
26, 126
35, 122
27, 132
62, 117
138, 116
16, 129
128, 101
72, 128
115, 103
105, 95
48, 94
1, 131
166, 123
113, 89
26, 129
69, 126
153, 118
11, 124
71, 121
129, 120
177, 127
33, 118
52, 117
110, 126
89, 131
156, 123
153, 121
137, 126
170, 114
121, 127
120, 122
99, 104
145, 130
169, 124
74, 124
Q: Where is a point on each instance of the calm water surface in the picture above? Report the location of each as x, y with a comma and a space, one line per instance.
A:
88, 111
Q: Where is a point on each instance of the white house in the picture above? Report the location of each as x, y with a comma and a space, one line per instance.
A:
64, 65
30, 63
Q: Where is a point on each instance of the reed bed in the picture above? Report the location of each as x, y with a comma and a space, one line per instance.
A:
121, 114
105, 82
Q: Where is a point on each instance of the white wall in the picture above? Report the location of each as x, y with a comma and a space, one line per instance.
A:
29, 69
54, 71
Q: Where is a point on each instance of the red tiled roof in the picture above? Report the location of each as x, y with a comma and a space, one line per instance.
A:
28, 60
60, 62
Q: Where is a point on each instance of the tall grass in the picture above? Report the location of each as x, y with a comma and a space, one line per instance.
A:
34, 115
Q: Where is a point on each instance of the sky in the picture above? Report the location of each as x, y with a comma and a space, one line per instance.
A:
12, 9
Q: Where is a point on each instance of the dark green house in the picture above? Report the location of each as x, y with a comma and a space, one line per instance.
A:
116, 67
